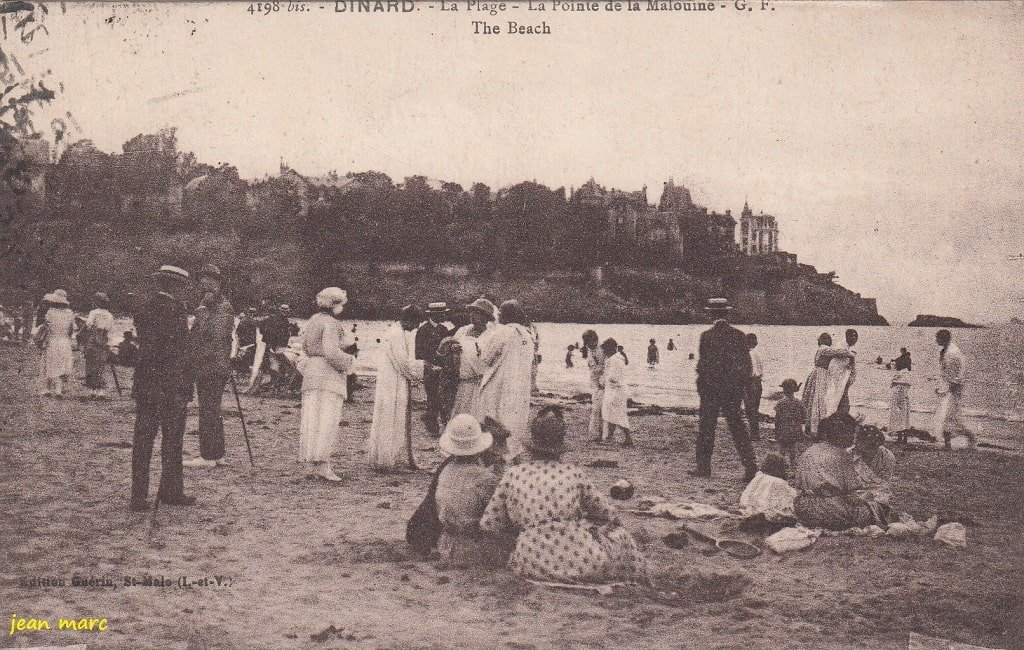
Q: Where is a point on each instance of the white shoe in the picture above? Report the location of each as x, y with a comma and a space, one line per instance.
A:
199, 462
325, 472
221, 462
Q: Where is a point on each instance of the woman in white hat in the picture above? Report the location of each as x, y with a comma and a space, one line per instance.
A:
472, 339
324, 382
464, 488
96, 348
57, 359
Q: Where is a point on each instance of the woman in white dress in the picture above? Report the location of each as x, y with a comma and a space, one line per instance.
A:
390, 441
324, 382
472, 339
614, 407
59, 322
899, 402
505, 386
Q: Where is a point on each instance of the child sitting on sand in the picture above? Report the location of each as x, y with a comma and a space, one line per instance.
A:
768, 493
789, 420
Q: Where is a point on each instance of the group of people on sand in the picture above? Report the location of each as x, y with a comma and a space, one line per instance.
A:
57, 331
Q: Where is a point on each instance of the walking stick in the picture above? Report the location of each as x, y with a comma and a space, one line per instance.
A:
117, 384
408, 424
245, 431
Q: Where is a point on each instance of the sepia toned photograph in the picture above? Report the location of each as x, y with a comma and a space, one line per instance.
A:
523, 324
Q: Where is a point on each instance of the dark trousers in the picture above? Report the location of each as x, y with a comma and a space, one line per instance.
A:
432, 385
752, 406
168, 415
711, 404
209, 393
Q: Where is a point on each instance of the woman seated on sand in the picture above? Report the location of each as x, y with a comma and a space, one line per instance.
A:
875, 464
832, 494
566, 530
464, 487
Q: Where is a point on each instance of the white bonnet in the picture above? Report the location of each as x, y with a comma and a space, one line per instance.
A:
330, 297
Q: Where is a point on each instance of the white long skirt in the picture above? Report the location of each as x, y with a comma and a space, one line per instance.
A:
899, 408
465, 396
318, 425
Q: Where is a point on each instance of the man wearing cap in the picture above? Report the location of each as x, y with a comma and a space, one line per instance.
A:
210, 343
162, 389
428, 337
723, 372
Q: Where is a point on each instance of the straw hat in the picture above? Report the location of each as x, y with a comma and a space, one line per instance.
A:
59, 297
330, 297
717, 305
101, 297
464, 437
437, 308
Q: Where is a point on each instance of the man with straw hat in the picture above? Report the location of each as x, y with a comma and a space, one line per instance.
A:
162, 389
210, 342
723, 372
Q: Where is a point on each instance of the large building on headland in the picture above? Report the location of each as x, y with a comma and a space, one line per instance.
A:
677, 228
759, 234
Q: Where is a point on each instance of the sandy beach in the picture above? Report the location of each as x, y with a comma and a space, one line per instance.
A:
303, 564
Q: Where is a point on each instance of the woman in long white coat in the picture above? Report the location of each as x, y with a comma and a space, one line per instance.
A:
615, 403
390, 439
324, 382
472, 339
57, 353
505, 386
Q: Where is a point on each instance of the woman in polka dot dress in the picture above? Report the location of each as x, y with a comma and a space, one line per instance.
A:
566, 531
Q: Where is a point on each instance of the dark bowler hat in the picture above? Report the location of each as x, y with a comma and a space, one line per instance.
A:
718, 305
790, 385
210, 271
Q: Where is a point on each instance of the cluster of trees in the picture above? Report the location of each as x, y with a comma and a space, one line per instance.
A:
152, 187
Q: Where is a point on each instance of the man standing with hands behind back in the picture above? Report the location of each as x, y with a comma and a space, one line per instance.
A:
210, 341
723, 372
162, 389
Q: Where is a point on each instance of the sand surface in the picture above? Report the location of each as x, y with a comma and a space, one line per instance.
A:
311, 565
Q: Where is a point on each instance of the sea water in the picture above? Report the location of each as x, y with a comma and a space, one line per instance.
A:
995, 374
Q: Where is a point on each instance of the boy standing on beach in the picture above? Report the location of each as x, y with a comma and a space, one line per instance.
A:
789, 421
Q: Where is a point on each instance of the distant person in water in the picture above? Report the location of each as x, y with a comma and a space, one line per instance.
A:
623, 353
652, 354
671, 345
903, 362
568, 355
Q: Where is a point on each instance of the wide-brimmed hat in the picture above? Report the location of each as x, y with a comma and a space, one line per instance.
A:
790, 385
330, 297
463, 437
547, 435
437, 308
717, 305
284, 308
483, 306
210, 271
59, 297
170, 270
47, 298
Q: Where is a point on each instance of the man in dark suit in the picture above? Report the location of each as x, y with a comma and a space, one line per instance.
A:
723, 371
428, 337
162, 389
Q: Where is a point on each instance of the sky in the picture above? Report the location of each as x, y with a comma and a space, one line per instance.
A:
887, 138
